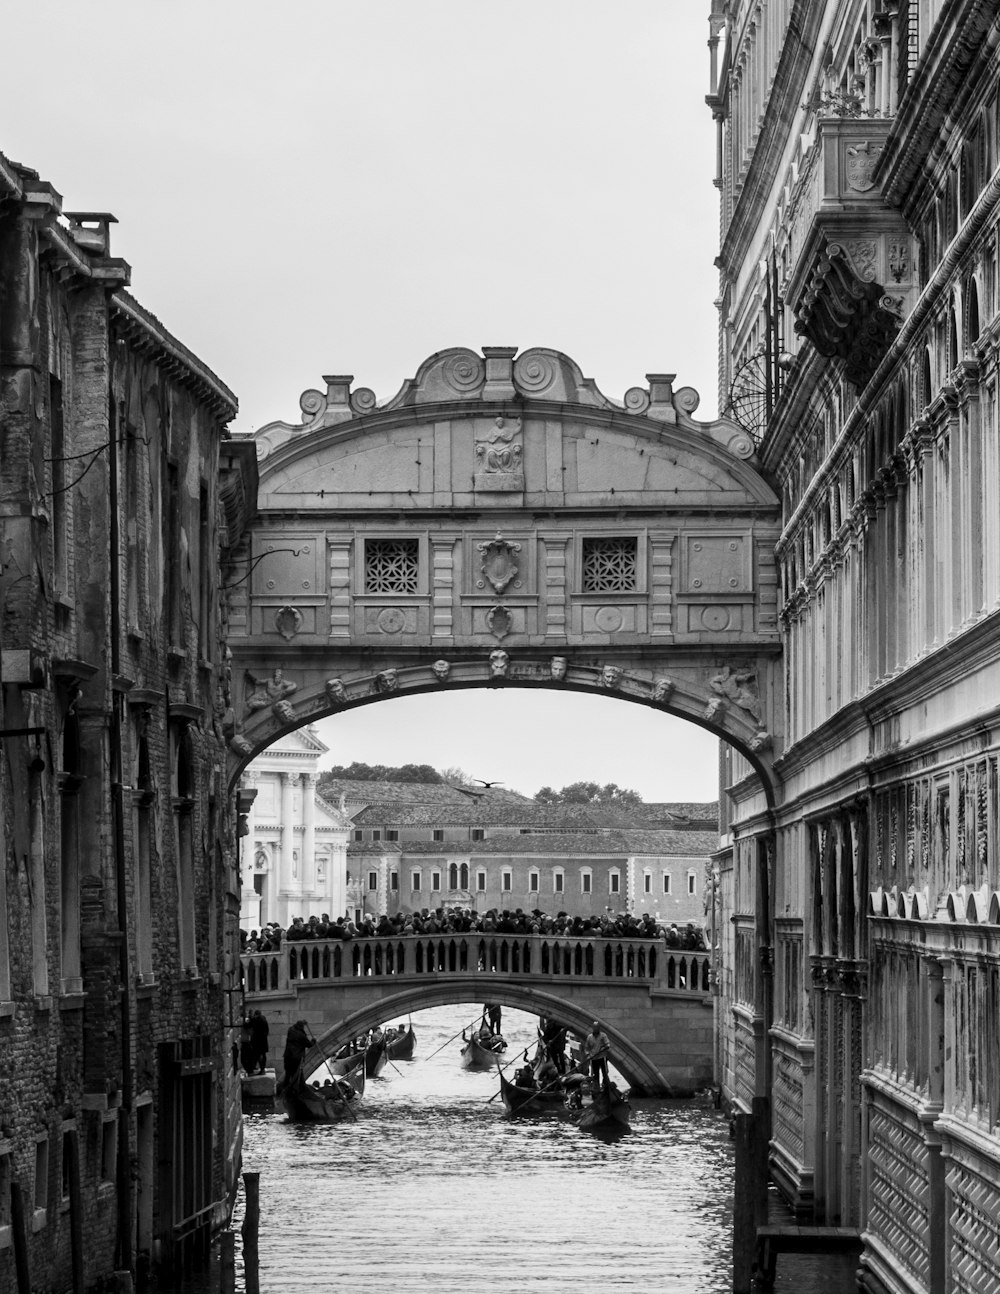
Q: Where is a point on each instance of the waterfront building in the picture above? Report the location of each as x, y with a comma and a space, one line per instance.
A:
859, 144
120, 498
295, 850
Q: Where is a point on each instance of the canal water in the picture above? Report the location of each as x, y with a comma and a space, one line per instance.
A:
433, 1187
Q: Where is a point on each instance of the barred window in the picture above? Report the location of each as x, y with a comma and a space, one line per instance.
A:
609, 565
391, 565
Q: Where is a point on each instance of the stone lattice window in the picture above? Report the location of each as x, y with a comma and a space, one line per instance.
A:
609, 565
391, 565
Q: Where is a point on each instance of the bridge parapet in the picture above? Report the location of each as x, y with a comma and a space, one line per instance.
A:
414, 958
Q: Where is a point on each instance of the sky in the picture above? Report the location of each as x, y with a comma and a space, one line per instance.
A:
320, 187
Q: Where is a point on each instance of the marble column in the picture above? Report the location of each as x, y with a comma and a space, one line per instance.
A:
308, 870
286, 881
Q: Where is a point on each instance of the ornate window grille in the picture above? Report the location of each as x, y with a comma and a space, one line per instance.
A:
392, 565
609, 565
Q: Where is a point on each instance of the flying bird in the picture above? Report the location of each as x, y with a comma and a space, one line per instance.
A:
486, 784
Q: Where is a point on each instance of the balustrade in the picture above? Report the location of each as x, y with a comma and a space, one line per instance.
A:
298, 963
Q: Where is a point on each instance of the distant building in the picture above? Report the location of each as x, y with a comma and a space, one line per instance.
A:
444, 846
294, 856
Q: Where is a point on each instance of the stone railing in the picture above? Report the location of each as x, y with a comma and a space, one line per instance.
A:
299, 964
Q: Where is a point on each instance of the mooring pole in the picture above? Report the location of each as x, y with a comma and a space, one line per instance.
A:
250, 1231
751, 1133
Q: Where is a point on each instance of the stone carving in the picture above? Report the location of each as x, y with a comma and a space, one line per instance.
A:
863, 254
899, 261
442, 669
499, 661
265, 691
464, 372
859, 165
499, 621
283, 710
611, 675
636, 399
534, 373
687, 399
761, 740
715, 709
240, 746
363, 400
335, 691
740, 687
557, 668
663, 689
312, 403
287, 621
386, 681
496, 561
499, 456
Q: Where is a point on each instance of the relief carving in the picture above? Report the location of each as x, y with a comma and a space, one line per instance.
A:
739, 687
496, 561
287, 621
264, 692
335, 691
499, 457
499, 662
662, 690
499, 621
859, 165
386, 681
441, 670
611, 675
557, 668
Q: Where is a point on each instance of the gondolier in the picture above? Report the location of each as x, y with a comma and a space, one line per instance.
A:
597, 1049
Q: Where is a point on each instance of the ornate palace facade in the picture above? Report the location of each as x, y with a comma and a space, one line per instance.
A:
859, 143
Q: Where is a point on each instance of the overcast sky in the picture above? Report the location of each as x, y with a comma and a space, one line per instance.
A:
308, 188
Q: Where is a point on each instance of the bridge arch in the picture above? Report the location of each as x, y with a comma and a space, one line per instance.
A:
630, 1056
501, 522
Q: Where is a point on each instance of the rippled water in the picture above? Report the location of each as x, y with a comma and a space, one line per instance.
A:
434, 1187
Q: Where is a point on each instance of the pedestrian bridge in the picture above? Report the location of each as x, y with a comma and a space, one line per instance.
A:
655, 1003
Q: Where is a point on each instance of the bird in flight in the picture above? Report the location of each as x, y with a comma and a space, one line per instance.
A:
487, 784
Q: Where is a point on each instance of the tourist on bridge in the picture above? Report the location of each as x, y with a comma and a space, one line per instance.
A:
597, 1049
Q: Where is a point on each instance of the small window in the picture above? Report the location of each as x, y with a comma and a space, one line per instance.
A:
359, 835
508, 881
392, 565
647, 882
109, 1146
391, 833
415, 879
376, 833
478, 833
41, 1183
558, 881
438, 834
609, 565
585, 882
394, 880
373, 880
692, 883
533, 882
615, 883
435, 880
481, 881
666, 882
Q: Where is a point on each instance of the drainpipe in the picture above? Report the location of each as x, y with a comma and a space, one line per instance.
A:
124, 1249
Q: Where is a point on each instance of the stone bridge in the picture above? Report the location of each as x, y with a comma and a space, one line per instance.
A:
655, 1003
500, 522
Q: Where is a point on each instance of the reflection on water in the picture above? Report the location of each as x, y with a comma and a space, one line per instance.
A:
434, 1187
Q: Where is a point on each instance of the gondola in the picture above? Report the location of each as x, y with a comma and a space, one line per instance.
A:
346, 1064
482, 1053
531, 1100
375, 1058
305, 1103
400, 1047
607, 1112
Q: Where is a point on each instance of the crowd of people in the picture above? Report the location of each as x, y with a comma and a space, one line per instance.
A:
466, 920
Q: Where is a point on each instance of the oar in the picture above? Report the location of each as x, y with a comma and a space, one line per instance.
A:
535, 1091
451, 1039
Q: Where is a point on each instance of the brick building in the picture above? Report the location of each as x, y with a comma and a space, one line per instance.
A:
119, 498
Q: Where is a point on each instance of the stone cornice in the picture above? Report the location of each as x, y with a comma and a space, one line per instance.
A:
144, 332
947, 72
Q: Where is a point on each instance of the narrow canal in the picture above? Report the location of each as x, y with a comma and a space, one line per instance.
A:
434, 1188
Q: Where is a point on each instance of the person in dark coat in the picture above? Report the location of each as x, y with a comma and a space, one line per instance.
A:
258, 1031
297, 1043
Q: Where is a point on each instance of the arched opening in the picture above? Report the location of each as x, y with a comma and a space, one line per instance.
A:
972, 315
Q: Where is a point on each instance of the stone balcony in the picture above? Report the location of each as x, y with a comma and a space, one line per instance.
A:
854, 279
